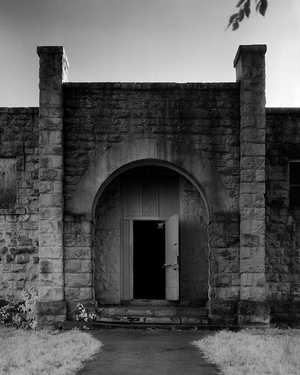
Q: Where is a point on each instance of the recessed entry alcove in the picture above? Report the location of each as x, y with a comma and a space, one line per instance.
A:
150, 239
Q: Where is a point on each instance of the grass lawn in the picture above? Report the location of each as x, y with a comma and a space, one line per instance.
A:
254, 352
44, 352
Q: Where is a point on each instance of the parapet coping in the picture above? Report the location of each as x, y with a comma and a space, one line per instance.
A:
19, 109
12, 211
283, 110
249, 48
153, 85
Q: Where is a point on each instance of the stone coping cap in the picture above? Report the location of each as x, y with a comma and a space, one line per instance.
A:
283, 110
55, 50
19, 109
50, 49
251, 48
153, 85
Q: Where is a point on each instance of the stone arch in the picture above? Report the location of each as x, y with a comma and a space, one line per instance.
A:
151, 162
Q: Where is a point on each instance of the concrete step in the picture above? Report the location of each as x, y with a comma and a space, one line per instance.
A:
132, 325
143, 314
178, 320
153, 311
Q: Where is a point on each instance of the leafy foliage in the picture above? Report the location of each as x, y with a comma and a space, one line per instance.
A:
244, 10
83, 314
21, 313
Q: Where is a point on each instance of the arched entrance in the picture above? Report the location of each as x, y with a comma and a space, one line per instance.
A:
150, 238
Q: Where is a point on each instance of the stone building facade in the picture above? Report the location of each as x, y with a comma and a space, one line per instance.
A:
202, 171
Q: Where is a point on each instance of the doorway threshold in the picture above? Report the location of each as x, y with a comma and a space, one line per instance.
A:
152, 314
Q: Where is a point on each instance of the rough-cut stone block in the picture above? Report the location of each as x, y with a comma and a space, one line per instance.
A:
51, 293
253, 279
51, 200
78, 294
252, 293
51, 308
253, 226
48, 239
250, 240
22, 258
51, 252
50, 265
78, 265
78, 252
256, 263
51, 213
55, 279
78, 280
253, 312
227, 294
47, 226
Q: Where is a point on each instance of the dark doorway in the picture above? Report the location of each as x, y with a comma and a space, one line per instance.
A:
148, 259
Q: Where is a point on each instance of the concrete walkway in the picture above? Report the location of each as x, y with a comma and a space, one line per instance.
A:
148, 352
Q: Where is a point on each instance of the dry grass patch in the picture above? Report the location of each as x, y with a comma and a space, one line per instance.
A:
254, 352
44, 352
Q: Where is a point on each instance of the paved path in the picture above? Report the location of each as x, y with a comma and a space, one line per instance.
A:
148, 352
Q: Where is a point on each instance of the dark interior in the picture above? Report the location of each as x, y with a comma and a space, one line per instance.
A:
148, 259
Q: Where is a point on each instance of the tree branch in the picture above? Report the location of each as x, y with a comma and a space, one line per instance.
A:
244, 10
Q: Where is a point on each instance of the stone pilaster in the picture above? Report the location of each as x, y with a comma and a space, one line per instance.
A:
250, 70
53, 69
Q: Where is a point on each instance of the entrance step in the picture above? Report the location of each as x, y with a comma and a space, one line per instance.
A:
176, 315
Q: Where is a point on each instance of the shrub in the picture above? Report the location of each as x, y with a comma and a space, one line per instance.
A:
11, 313
84, 314
20, 313
29, 306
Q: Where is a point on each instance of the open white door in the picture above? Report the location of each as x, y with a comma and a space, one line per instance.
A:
172, 256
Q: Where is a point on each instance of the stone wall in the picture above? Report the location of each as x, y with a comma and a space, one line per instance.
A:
57, 160
19, 242
283, 223
193, 127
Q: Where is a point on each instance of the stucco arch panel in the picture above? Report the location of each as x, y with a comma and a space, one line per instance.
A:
185, 161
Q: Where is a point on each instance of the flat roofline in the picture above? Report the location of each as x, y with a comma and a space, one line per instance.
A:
19, 109
152, 85
283, 110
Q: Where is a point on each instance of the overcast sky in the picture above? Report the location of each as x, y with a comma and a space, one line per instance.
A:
145, 40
